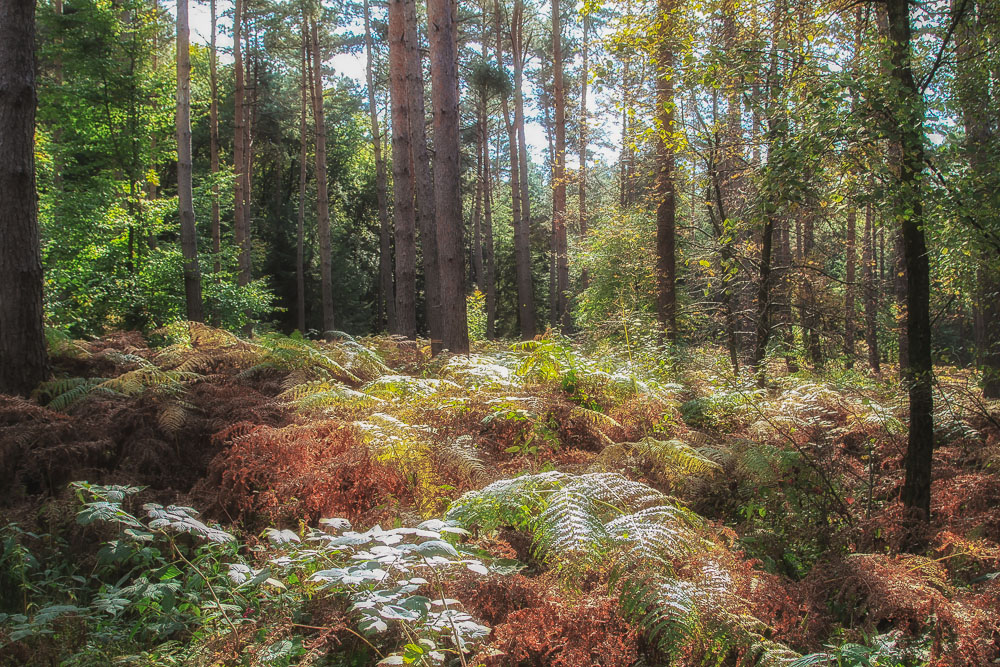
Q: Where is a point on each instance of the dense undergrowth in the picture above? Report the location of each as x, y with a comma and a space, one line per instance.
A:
547, 503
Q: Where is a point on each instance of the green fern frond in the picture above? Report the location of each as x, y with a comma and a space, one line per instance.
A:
404, 386
569, 528
320, 394
671, 457
64, 393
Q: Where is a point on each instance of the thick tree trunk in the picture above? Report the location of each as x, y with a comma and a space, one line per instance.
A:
404, 216
387, 300
300, 235
909, 123
23, 358
447, 175
185, 191
423, 183
559, 173
322, 194
868, 282
666, 190
522, 241
213, 133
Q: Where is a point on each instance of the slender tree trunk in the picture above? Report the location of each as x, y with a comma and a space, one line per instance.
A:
521, 218
213, 133
447, 175
300, 253
404, 216
241, 232
23, 358
488, 254
809, 303
185, 192
784, 297
387, 302
666, 210
559, 173
909, 123
477, 206
584, 138
870, 292
322, 193
852, 216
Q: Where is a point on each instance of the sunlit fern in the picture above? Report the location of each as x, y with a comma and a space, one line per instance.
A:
697, 615
406, 446
355, 357
405, 386
322, 394
478, 371
576, 519
673, 458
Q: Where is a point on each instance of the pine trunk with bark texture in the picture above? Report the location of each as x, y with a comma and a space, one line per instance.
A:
387, 299
559, 174
909, 121
522, 247
213, 133
185, 188
666, 190
23, 357
441, 31
404, 216
322, 192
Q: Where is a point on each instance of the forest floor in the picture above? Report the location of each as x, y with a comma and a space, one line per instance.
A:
548, 503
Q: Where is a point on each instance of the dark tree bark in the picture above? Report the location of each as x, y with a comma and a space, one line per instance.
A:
185, 191
387, 299
559, 173
213, 133
322, 193
666, 190
404, 216
300, 233
909, 124
447, 175
899, 290
23, 358
423, 183
870, 290
522, 247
